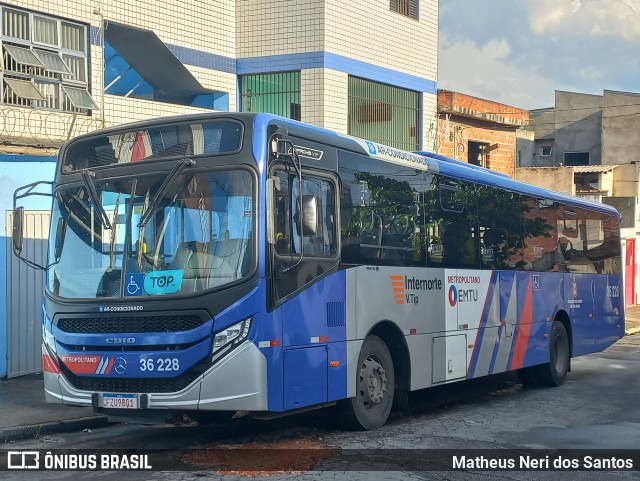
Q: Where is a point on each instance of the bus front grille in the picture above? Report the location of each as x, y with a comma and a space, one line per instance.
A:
109, 325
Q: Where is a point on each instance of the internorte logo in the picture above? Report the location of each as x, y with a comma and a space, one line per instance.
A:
406, 289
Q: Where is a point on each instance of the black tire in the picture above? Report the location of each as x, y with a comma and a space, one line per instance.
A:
554, 373
375, 382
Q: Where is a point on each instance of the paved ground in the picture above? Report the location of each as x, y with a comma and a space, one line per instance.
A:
24, 414
596, 409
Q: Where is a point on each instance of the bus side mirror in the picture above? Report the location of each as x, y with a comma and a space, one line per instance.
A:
17, 233
309, 206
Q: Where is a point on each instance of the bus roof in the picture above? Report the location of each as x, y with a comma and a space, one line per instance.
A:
430, 161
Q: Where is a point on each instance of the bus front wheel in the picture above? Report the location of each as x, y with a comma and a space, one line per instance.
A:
375, 382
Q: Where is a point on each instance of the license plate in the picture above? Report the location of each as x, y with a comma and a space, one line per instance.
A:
120, 401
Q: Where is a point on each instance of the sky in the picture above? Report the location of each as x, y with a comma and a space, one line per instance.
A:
519, 52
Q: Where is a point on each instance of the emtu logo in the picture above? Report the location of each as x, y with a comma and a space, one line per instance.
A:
397, 283
453, 296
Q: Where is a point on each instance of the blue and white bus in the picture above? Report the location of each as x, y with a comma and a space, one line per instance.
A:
245, 262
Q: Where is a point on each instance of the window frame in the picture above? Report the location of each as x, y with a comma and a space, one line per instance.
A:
281, 94
576, 153
401, 130
46, 72
306, 174
407, 8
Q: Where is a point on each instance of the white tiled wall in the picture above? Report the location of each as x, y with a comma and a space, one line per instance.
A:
277, 27
202, 26
363, 30
367, 30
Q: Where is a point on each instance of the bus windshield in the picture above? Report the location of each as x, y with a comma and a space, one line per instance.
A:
197, 235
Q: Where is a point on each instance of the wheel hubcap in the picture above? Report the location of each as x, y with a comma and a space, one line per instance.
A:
373, 381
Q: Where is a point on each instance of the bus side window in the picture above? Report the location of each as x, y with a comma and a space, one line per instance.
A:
282, 228
500, 224
316, 203
572, 239
457, 225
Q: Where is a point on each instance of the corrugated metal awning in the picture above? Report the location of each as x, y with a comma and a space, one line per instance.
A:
592, 168
154, 62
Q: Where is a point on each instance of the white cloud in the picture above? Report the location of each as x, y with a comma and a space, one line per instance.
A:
611, 18
486, 72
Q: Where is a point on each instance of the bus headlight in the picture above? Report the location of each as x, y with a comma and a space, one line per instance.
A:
232, 335
48, 339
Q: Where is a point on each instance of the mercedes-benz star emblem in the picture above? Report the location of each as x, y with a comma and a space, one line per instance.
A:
120, 365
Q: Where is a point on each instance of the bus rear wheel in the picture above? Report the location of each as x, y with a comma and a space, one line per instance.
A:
375, 382
555, 371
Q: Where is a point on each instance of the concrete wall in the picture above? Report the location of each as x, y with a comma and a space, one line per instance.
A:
525, 148
625, 180
578, 126
620, 127
559, 179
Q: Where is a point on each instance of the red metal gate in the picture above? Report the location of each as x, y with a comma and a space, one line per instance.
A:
630, 273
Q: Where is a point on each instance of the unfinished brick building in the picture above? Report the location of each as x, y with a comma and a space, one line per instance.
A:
478, 131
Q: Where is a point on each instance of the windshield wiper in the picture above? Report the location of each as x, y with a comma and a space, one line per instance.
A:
93, 196
177, 169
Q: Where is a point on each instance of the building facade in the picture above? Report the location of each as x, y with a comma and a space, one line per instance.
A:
478, 131
366, 68
585, 145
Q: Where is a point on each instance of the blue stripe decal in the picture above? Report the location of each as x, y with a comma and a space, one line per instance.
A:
280, 63
379, 74
481, 326
294, 61
298, 61
197, 58
506, 288
494, 356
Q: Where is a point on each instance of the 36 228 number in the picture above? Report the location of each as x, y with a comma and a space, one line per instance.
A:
161, 364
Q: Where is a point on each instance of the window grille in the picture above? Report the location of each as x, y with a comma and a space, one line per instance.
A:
15, 24
44, 62
45, 30
408, 8
275, 93
384, 113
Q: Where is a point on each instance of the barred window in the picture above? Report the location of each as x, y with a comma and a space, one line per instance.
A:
44, 62
405, 7
384, 113
274, 93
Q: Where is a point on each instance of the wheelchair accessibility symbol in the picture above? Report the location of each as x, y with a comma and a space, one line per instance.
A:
134, 284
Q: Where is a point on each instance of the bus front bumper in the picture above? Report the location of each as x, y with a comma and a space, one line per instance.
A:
238, 382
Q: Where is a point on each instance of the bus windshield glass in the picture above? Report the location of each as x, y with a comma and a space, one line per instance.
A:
154, 143
197, 235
